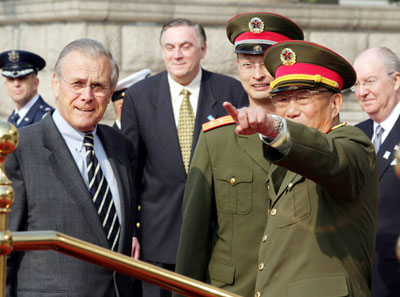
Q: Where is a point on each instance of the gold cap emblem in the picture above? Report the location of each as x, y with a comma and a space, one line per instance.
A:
288, 57
13, 56
257, 48
256, 25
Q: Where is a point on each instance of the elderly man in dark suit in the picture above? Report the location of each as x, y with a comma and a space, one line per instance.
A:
162, 115
20, 69
378, 92
73, 175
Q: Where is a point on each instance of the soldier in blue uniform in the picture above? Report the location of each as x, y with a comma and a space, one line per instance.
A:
20, 69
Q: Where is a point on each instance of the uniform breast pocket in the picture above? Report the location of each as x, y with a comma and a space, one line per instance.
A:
295, 205
233, 189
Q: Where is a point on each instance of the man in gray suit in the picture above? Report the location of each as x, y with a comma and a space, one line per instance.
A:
57, 187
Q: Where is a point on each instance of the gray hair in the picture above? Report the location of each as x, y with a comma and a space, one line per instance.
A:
389, 59
180, 22
91, 48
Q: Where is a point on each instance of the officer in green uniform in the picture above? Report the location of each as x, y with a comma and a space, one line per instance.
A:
323, 190
226, 195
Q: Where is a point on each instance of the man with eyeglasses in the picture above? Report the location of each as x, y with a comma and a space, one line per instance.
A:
378, 91
226, 200
323, 191
73, 175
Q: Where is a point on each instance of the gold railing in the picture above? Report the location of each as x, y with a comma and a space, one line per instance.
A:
51, 240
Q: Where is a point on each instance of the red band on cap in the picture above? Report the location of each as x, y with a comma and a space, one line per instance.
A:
310, 69
265, 35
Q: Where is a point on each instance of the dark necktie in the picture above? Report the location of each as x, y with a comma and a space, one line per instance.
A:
101, 194
186, 128
15, 118
378, 138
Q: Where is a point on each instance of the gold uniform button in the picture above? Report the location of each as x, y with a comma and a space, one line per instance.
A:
233, 181
290, 185
273, 212
261, 266
138, 224
257, 294
264, 238
139, 207
268, 187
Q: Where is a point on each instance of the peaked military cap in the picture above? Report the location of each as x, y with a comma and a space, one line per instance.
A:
297, 64
17, 63
125, 83
253, 33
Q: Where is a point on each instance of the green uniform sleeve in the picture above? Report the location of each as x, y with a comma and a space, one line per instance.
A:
344, 157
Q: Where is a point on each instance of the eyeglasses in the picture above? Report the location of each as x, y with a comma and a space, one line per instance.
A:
301, 97
99, 90
369, 84
250, 67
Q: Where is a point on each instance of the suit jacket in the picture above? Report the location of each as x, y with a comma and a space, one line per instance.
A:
386, 272
148, 121
35, 113
224, 211
50, 194
322, 215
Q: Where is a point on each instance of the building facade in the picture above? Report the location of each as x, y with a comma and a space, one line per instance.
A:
131, 30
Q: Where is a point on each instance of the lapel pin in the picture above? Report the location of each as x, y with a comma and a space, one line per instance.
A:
386, 155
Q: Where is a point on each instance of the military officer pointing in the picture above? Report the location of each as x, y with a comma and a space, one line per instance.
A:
226, 199
323, 193
20, 69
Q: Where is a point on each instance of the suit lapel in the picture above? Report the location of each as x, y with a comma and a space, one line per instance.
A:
164, 121
29, 117
385, 155
206, 106
64, 167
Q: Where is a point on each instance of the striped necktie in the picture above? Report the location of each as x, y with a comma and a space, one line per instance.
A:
101, 194
186, 128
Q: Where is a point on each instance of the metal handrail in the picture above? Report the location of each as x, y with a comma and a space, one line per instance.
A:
51, 240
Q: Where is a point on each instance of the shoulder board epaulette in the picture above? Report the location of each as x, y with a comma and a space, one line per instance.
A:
337, 126
226, 120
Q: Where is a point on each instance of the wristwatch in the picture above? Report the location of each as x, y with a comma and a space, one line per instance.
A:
278, 127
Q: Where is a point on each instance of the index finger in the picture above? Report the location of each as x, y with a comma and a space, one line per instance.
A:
231, 110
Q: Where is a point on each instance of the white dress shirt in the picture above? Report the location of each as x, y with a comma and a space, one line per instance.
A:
176, 97
74, 140
24, 110
388, 123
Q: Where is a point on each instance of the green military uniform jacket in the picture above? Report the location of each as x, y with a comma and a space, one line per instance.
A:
320, 234
224, 211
